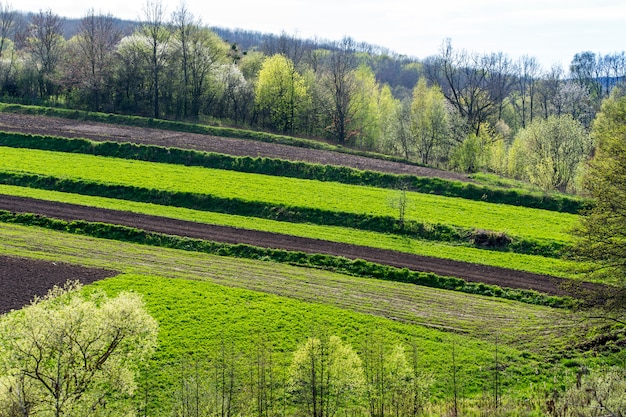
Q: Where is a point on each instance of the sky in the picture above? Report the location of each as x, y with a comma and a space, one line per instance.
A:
552, 31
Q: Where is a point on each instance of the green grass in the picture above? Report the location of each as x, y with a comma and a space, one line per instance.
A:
530, 263
355, 267
190, 128
199, 299
473, 315
299, 169
518, 221
196, 316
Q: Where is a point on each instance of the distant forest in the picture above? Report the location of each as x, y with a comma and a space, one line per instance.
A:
455, 110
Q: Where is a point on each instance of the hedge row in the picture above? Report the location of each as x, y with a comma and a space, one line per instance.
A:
302, 170
205, 202
343, 265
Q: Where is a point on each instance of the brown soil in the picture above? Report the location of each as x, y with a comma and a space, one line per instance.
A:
239, 147
22, 279
471, 272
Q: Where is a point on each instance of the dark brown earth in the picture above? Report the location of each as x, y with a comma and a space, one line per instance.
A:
239, 147
22, 279
470, 272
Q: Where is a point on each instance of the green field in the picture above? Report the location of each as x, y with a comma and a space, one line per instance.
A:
529, 263
201, 299
206, 303
516, 221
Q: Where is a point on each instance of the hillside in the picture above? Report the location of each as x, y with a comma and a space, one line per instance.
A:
221, 254
12, 122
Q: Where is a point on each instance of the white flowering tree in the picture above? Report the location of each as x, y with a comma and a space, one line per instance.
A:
69, 354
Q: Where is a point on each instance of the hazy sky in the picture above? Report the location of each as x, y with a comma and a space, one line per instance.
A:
550, 30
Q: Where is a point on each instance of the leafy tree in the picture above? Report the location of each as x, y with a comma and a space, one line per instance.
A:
602, 234
374, 107
573, 99
549, 152
469, 156
132, 74
585, 70
325, 377
8, 23
281, 91
199, 51
236, 94
70, 354
429, 121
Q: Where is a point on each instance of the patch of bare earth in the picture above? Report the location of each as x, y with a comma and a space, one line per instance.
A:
468, 271
22, 279
41, 125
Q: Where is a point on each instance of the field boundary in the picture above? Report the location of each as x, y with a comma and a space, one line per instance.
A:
481, 239
340, 264
293, 169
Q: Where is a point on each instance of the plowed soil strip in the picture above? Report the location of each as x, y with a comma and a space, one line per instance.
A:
101, 132
470, 272
22, 279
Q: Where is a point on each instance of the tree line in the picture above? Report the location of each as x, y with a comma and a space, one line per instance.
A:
455, 110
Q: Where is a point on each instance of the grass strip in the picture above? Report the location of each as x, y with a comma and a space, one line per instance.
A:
357, 267
300, 170
382, 224
458, 252
295, 193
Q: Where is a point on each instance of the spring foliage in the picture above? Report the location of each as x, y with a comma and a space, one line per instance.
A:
325, 377
602, 235
549, 153
71, 354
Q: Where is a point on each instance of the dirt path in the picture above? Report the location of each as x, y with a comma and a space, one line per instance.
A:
41, 125
470, 272
22, 279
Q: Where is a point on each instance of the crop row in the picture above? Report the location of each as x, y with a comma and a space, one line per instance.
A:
162, 124
357, 267
196, 315
522, 325
301, 170
458, 252
295, 194
365, 222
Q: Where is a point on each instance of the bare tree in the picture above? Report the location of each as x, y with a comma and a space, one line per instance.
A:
97, 39
45, 43
7, 25
500, 70
528, 72
548, 88
157, 33
183, 22
341, 85
474, 85
199, 51
7, 31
